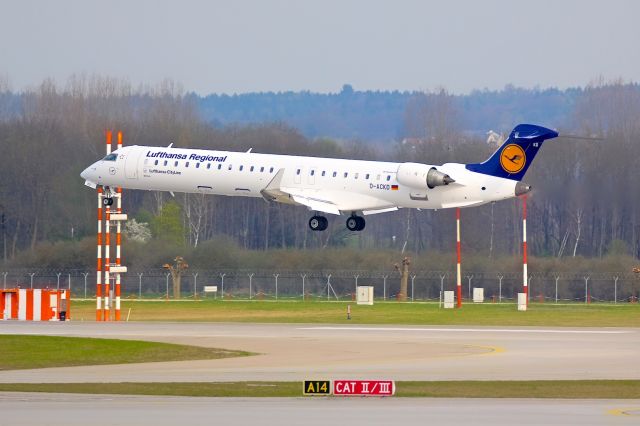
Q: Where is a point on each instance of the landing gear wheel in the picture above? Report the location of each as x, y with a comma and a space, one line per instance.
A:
107, 201
318, 223
355, 223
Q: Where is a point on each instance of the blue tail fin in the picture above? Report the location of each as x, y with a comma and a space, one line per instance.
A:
514, 157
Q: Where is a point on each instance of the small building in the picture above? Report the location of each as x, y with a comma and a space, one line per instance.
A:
35, 304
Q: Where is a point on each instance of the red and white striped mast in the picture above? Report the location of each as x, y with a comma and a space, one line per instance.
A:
105, 269
107, 246
525, 278
458, 268
99, 260
118, 239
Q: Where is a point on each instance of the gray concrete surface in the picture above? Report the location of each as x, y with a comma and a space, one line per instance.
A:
17, 409
298, 352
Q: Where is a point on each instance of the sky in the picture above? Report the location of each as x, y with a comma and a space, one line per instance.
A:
240, 46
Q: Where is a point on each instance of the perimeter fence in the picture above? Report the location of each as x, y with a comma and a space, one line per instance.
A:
338, 284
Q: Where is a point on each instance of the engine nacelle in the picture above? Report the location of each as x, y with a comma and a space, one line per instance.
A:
419, 176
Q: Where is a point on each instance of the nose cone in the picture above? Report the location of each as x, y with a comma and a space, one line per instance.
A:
89, 176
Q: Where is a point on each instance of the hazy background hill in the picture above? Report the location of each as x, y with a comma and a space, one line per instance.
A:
379, 116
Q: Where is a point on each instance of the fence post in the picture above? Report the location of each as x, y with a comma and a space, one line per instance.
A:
328, 285
222, 284
557, 278
4, 280
86, 274
413, 277
442, 277
31, 279
58, 285
195, 285
303, 278
500, 277
586, 289
250, 282
276, 275
615, 289
167, 275
140, 285
469, 277
356, 289
69, 281
384, 287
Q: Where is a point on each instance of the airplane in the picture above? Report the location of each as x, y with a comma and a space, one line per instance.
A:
353, 188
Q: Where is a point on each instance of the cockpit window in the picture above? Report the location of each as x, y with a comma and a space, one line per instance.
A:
110, 157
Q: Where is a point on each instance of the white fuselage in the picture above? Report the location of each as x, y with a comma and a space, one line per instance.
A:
351, 185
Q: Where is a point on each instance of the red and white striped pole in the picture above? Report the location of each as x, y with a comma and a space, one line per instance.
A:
99, 260
118, 239
107, 246
525, 289
458, 270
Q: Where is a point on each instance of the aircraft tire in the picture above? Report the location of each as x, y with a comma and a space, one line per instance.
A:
318, 223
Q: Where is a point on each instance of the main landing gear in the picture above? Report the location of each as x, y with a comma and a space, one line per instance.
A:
318, 223
355, 223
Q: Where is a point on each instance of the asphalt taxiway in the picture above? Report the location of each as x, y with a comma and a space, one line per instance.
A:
291, 352
17, 409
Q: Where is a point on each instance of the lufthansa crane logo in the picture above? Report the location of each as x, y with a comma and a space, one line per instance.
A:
513, 158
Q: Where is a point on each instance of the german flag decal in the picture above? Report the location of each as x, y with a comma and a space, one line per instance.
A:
394, 187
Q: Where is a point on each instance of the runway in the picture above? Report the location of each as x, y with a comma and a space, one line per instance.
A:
98, 410
294, 352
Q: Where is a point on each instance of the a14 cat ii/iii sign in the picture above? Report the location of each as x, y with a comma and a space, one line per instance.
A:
349, 387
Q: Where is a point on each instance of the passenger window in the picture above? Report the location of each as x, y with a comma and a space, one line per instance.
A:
219, 166
323, 173
366, 177
261, 169
313, 172
197, 165
251, 169
175, 164
298, 171
388, 178
356, 176
208, 165
335, 174
346, 174
156, 163
186, 164
241, 167
230, 166
271, 170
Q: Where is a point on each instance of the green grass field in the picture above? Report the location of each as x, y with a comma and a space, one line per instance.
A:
489, 314
20, 352
582, 389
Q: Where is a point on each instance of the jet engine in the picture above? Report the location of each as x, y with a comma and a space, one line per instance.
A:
418, 176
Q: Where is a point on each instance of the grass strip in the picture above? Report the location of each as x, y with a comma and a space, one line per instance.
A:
564, 389
487, 314
21, 352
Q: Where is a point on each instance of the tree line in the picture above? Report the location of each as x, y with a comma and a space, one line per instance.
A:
584, 201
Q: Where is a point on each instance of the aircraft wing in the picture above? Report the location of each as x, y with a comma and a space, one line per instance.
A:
331, 202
